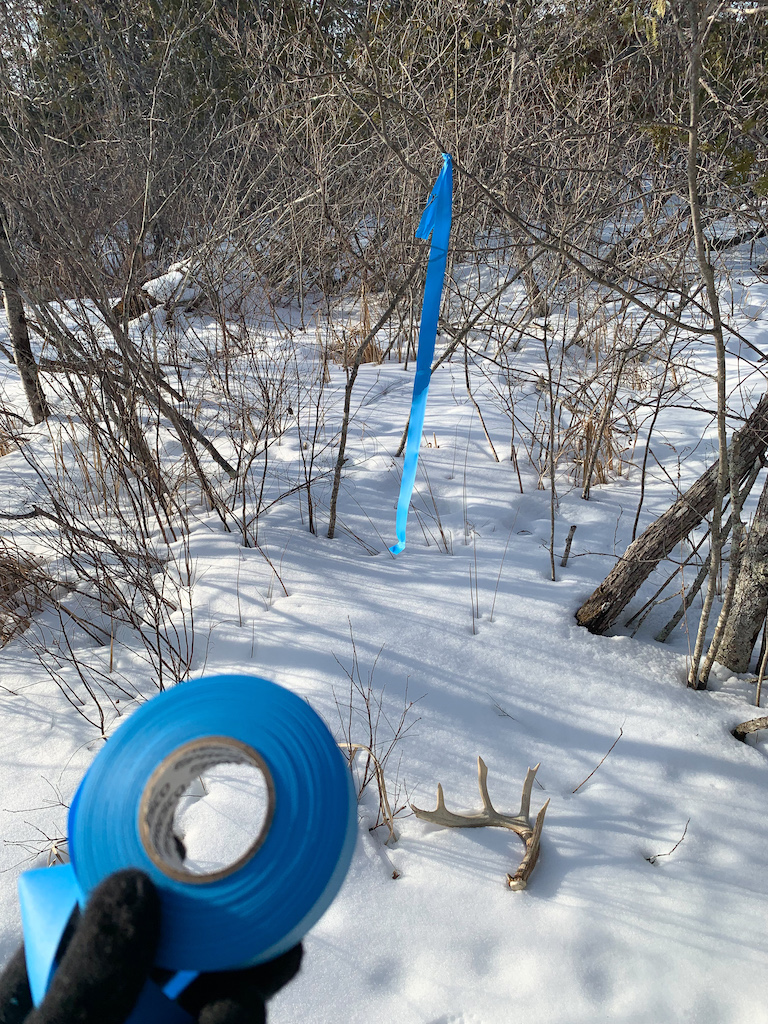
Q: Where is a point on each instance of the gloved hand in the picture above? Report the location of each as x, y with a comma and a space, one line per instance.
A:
108, 958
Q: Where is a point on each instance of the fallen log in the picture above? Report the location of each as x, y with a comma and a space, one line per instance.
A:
753, 725
603, 607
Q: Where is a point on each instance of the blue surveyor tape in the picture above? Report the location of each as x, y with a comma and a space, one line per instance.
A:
122, 816
435, 221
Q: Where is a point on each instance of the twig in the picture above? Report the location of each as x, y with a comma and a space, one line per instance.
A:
472, 600
498, 578
473, 400
621, 733
655, 857
502, 712
477, 596
761, 673
384, 807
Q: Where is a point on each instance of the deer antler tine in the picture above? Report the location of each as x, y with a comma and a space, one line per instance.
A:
525, 803
519, 880
440, 799
482, 782
539, 823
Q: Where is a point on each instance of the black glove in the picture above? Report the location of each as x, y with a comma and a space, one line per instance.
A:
107, 961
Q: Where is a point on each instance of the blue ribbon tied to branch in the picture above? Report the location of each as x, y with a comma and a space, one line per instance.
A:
435, 221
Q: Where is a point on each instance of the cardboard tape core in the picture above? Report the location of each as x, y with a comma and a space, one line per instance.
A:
168, 784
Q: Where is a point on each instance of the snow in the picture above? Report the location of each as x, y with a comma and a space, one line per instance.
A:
604, 932
174, 286
228, 796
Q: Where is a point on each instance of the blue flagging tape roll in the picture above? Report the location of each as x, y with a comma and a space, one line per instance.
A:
122, 817
435, 221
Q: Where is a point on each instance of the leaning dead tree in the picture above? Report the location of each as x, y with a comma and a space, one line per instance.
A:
603, 607
518, 823
750, 598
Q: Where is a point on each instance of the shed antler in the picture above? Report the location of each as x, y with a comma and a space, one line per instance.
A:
519, 823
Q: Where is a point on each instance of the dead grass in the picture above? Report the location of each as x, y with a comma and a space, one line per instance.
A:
21, 590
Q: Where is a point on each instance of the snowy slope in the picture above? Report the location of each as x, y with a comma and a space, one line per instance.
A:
601, 933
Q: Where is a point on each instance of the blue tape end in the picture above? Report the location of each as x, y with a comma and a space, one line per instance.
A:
47, 897
397, 548
179, 982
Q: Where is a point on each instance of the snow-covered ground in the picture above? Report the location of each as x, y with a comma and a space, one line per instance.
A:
424, 929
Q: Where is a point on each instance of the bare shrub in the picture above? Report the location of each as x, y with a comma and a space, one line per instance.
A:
368, 731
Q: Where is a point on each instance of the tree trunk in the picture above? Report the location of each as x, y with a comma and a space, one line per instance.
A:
698, 35
17, 327
642, 556
537, 301
750, 598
